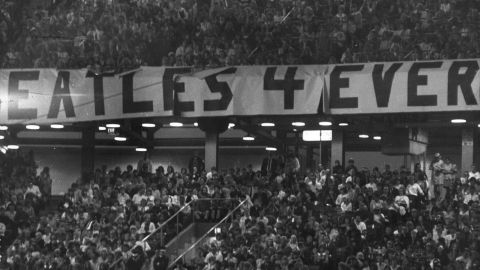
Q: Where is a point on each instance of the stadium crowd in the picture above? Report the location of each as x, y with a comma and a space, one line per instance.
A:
102, 217
338, 217
114, 35
342, 217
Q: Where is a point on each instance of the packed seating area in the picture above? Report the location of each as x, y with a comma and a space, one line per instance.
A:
114, 35
349, 218
101, 218
342, 217
334, 216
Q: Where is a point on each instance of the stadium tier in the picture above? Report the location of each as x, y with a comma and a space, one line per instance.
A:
239, 134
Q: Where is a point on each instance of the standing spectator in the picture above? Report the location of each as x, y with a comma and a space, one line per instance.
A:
45, 182
33, 189
351, 168
144, 165
269, 164
438, 177
337, 168
450, 171
415, 193
292, 164
196, 161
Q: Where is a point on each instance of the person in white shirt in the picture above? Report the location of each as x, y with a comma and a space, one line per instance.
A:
346, 205
402, 202
292, 165
470, 195
371, 184
33, 189
147, 226
474, 173
445, 6
293, 243
415, 193
314, 182
173, 200
243, 219
143, 244
123, 197
361, 226
450, 171
139, 197
437, 179
343, 194
150, 196
214, 255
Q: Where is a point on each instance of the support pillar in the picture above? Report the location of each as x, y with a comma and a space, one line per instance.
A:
303, 158
88, 150
408, 162
282, 135
321, 160
338, 152
309, 158
211, 150
467, 149
151, 139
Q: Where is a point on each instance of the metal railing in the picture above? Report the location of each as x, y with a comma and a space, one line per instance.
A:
194, 245
159, 228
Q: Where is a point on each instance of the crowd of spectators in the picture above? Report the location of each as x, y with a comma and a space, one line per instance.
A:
113, 35
102, 218
341, 217
353, 218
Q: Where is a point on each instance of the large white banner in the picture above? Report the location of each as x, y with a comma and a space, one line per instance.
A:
430, 86
253, 90
45, 96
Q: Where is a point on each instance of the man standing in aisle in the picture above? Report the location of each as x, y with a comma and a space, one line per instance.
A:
269, 164
292, 164
197, 162
436, 189
144, 166
450, 171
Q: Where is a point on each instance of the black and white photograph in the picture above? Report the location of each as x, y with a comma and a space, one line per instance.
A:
239, 134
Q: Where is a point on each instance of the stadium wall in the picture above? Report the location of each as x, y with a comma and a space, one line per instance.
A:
64, 162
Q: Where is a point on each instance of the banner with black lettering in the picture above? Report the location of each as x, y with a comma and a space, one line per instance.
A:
396, 87
252, 90
44, 96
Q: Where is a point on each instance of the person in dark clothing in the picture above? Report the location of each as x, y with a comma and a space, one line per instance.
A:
269, 164
338, 168
135, 262
196, 161
351, 166
160, 261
